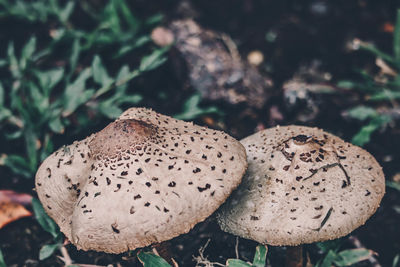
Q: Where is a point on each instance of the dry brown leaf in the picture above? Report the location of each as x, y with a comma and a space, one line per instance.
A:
10, 211
12, 206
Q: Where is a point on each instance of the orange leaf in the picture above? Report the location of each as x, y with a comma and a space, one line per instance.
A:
388, 27
12, 206
10, 212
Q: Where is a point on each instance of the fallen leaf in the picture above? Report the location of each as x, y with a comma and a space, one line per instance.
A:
11, 196
12, 206
10, 212
215, 68
388, 27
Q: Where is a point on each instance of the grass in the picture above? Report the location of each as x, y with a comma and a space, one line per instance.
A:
61, 83
379, 90
333, 255
65, 76
46, 90
64, 82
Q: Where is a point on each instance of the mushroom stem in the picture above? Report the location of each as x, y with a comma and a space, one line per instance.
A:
294, 256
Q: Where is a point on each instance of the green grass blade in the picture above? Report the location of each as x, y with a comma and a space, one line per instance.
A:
109, 110
49, 79
237, 263
27, 53
17, 165
43, 219
130, 19
47, 250
260, 256
75, 93
327, 260
154, 60
352, 256
12, 60
378, 53
385, 94
192, 110
66, 12
2, 262
31, 150
148, 259
364, 135
73, 59
393, 185
362, 113
100, 74
396, 261
155, 19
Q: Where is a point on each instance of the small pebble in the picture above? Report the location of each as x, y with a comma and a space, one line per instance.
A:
255, 58
162, 36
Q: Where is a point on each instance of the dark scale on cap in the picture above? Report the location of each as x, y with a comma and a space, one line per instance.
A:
114, 228
197, 170
286, 167
118, 188
201, 189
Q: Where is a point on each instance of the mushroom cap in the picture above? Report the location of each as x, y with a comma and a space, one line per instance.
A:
143, 179
302, 185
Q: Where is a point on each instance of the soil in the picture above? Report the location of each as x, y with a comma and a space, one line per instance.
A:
307, 37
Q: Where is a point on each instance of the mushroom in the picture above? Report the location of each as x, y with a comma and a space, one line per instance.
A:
303, 185
143, 179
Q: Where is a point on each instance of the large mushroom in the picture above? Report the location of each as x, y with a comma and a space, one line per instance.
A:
143, 179
303, 185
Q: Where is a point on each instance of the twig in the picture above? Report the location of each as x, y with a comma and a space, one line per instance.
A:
65, 256
155, 251
203, 260
237, 248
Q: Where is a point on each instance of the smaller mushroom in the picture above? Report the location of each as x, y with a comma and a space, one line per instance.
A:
303, 185
143, 179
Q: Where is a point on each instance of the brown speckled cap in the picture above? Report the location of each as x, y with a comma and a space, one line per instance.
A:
143, 179
302, 185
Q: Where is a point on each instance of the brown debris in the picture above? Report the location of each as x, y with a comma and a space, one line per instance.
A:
215, 67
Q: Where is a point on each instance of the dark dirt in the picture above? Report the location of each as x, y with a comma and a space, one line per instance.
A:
307, 34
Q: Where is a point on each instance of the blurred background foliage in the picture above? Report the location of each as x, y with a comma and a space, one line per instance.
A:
69, 67
57, 83
381, 87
